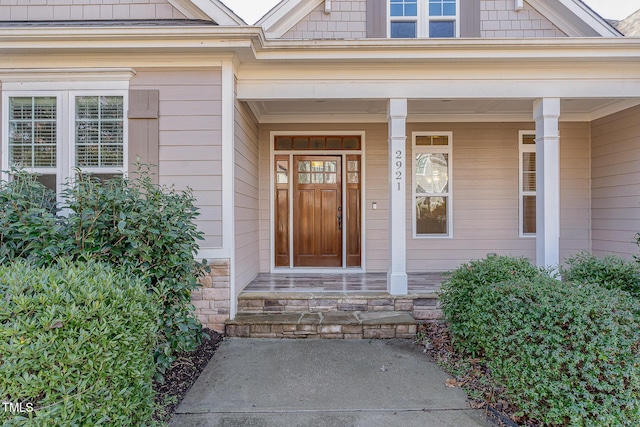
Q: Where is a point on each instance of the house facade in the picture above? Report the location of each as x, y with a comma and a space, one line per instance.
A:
341, 136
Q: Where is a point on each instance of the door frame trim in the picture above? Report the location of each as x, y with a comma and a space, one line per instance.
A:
343, 154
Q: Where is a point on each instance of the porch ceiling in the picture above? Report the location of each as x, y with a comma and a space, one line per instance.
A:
429, 110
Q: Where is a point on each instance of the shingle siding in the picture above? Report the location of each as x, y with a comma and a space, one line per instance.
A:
76, 10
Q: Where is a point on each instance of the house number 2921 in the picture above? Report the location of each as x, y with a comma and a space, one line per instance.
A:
399, 169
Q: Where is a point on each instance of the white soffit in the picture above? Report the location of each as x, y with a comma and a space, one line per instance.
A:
209, 10
285, 15
574, 18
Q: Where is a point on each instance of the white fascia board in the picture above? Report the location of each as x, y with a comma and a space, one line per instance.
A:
23, 77
285, 16
209, 10
435, 89
570, 25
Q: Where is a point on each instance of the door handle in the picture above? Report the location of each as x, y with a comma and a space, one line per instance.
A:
339, 222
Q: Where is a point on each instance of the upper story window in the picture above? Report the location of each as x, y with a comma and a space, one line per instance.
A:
423, 18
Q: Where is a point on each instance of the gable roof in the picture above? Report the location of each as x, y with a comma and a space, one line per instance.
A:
573, 17
285, 15
213, 10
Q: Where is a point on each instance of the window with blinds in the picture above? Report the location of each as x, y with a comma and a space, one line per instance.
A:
51, 133
32, 132
527, 183
99, 131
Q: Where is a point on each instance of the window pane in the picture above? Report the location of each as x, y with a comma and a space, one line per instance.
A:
529, 214
282, 178
282, 166
99, 131
317, 143
334, 143
396, 9
330, 166
403, 30
442, 140
304, 178
352, 166
528, 171
449, 9
529, 139
32, 131
404, 8
352, 178
317, 166
352, 143
431, 215
317, 178
48, 181
304, 166
435, 8
300, 143
442, 29
330, 178
432, 173
284, 143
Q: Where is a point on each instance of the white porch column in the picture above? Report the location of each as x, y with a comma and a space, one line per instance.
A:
397, 275
546, 112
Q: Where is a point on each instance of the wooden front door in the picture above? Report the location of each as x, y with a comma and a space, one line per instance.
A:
317, 211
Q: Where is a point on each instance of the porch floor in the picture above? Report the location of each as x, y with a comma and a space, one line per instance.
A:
339, 282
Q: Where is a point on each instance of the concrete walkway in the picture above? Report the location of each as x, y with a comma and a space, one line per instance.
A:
324, 383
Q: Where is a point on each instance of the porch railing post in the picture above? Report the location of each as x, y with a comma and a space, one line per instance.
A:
397, 275
546, 113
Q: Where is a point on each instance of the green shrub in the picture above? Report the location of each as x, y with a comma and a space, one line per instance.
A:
567, 354
149, 230
611, 272
464, 284
29, 227
76, 342
131, 224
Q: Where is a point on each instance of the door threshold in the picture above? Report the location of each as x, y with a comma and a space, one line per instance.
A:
317, 270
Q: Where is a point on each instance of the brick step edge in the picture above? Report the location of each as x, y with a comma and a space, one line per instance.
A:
332, 325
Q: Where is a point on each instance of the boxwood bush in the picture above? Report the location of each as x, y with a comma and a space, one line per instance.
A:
610, 271
463, 285
76, 345
567, 353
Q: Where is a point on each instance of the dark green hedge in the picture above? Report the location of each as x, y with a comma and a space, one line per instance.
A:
611, 272
567, 353
76, 342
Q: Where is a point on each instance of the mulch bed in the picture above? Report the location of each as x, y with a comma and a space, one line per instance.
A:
470, 374
183, 373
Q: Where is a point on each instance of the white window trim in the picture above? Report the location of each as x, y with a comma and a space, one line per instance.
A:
65, 110
423, 19
523, 148
432, 149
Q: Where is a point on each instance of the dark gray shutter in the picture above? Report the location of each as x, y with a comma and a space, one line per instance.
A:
144, 133
469, 18
377, 19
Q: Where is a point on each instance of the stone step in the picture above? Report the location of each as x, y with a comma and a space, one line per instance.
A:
420, 305
333, 324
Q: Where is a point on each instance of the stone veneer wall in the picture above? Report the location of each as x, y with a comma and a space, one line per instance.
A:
211, 301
